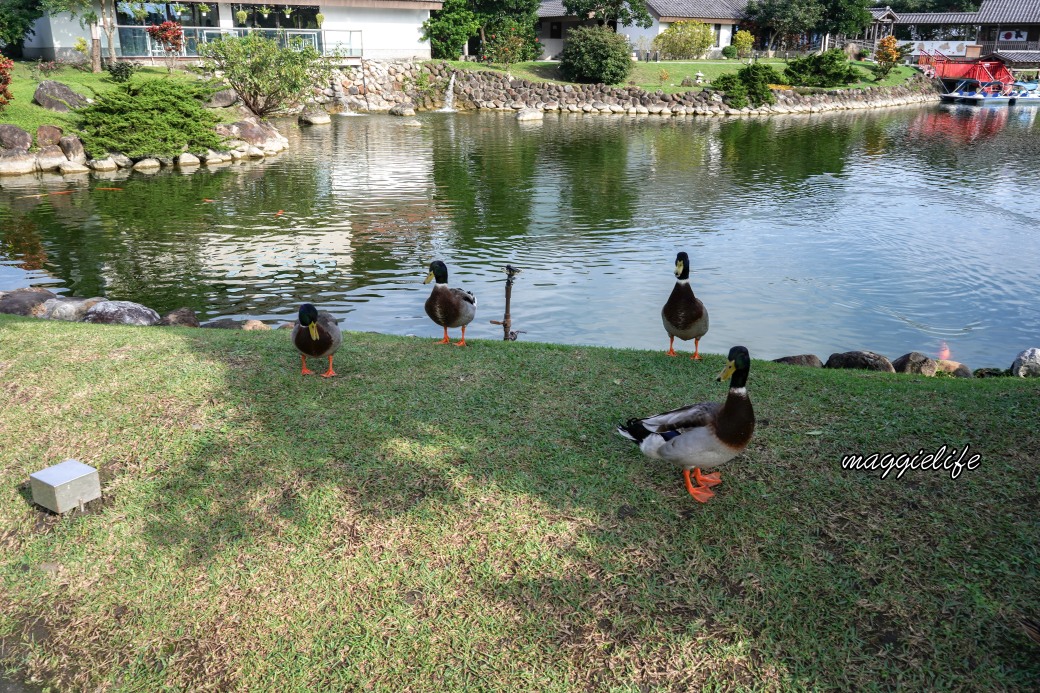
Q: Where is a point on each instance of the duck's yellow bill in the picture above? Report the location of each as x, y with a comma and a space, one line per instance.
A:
678, 267
313, 327
429, 278
727, 372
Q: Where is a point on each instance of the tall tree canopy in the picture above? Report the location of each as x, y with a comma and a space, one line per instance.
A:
845, 16
624, 12
785, 17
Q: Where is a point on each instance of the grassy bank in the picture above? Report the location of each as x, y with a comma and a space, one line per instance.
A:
447, 519
669, 75
29, 116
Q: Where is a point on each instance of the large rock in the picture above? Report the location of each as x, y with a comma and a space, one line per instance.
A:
122, 160
147, 165
255, 326
57, 97
254, 132
525, 114
71, 168
48, 134
14, 138
314, 118
182, 317
121, 313
187, 159
17, 164
954, 368
863, 360
223, 99
68, 308
1027, 364
106, 164
222, 324
402, 109
810, 360
26, 302
73, 149
50, 158
915, 362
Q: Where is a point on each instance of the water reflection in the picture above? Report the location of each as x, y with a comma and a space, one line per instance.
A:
892, 231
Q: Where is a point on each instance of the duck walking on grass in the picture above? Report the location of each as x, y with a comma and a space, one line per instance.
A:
446, 306
316, 335
701, 436
683, 314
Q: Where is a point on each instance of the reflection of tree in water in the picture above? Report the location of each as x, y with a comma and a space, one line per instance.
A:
787, 150
20, 241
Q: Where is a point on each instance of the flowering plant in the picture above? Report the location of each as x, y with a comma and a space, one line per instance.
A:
6, 66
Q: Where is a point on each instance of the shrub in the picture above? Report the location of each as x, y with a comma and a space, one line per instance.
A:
509, 42
44, 69
729, 52
156, 117
6, 67
122, 71
749, 84
828, 69
685, 40
743, 41
267, 77
449, 28
887, 55
596, 54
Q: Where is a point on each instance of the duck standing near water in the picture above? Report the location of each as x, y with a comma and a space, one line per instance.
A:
701, 436
446, 306
683, 314
316, 335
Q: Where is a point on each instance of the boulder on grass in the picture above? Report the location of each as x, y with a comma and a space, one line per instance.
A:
25, 302
72, 147
1027, 364
48, 134
915, 362
56, 96
69, 308
14, 138
182, 317
954, 368
121, 313
862, 360
810, 360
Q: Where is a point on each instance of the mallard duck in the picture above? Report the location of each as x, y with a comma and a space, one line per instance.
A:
316, 335
701, 435
683, 314
446, 306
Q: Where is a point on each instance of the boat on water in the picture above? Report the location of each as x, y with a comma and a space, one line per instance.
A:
987, 93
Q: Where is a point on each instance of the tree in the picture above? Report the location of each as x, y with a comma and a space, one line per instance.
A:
596, 54
785, 17
624, 12
169, 35
685, 40
845, 16
887, 55
449, 28
268, 78
743, 42
493, 13
16, 20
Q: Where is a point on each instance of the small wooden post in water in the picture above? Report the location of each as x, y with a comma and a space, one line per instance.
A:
506, 322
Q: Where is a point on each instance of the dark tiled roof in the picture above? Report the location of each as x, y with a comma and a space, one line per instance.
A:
1014, 58
938, 18
699, 9
879, 12
1009, 11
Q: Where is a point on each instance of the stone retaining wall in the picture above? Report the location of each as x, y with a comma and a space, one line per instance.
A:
376, 86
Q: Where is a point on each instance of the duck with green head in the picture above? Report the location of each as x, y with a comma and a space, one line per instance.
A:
316, 335
683, 314
701, 436
446, 306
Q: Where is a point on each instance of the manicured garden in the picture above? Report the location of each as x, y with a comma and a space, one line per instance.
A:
442, 518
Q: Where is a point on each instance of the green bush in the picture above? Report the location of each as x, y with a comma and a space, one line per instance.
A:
685, 40
122, 71
596, 54
750, 84
157, 117
829, 69
729, 52
510, 41
267, 77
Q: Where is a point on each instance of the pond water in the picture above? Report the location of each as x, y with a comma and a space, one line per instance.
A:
893, 231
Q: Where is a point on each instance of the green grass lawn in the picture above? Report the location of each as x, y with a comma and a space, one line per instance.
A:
668, 75
29, 116
466, 519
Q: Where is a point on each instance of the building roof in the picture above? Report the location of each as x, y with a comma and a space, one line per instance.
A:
1016, 58
881, 12
938, 18
693, 9
1009, 12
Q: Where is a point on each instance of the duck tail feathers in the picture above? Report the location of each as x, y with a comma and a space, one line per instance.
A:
634, 430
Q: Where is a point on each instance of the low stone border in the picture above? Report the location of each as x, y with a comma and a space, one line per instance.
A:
1025, 365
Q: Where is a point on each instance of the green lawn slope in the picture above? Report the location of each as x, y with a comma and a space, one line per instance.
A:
466, 519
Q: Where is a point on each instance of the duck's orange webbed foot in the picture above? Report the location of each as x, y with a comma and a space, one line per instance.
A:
305, 370
713, 479
700, 493
696, 349
671, 347
445, 340
329, 373
461, 342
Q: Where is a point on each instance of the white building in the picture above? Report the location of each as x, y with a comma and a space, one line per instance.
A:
722, 15
370, 29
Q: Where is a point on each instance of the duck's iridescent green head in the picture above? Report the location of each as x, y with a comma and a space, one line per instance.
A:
737, 367
682, 266
309, 319
438, 271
